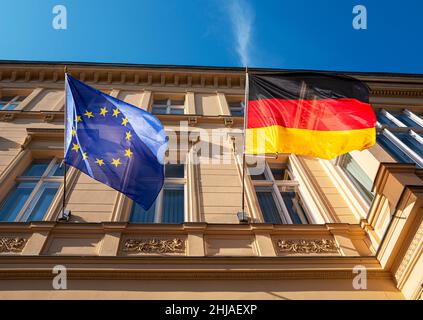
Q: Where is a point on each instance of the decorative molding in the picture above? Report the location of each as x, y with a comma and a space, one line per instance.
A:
175, 245
397, 92
308, 246
7, 116
412, 249
8, 244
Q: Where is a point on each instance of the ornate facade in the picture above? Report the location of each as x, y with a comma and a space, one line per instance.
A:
313, 227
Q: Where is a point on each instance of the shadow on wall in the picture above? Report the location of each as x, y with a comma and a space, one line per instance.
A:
6, 144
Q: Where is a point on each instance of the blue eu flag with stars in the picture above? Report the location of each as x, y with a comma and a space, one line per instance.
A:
114, 142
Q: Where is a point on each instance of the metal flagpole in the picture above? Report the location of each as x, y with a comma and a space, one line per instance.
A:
243, 218
64, 153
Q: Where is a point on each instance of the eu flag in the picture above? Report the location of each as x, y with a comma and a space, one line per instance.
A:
114, 142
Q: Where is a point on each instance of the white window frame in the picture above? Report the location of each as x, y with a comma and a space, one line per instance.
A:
388, 132
168, 106
364, 204
276, 187
41, 183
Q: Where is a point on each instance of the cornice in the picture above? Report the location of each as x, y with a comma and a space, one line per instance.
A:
37, 274
389, 85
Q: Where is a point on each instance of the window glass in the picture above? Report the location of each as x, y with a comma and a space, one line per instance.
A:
173, 206
268, 207
11, 106
40, 204
174, 171
357, 176
407, 120
59, 170
293, 205
383, 119
393, 150
139, 215
410, 142
159, 110
15, 200
174, 110
280, 174
36, 169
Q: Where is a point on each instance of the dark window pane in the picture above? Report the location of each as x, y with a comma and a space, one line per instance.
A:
292, 204
173, 206
385, 120
279, 174
15, 200
160, 102
40, 207
139, 215
407, 120
159, 110
174, 170
177, 102
237, 112
11, 106
410, 142
268, 208
59, 170
36, 169
393, 150
177, 111
358, 177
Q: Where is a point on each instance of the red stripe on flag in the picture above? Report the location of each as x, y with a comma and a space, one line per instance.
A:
324, 114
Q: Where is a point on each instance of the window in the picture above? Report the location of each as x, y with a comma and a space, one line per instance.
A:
168, 106
33, 193
400, 134
278, 195
10, 103
357, 177
236, 108
169, 206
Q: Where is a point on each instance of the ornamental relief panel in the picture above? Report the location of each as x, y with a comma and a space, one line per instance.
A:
133, 246
12, 244
306, 246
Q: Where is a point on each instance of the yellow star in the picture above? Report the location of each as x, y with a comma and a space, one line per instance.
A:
103, 111
128, 136
116, 112
89, 114
84, 155
75, 147
73, 132
124, 121
78, 119
100, 162
128, 153
116, 162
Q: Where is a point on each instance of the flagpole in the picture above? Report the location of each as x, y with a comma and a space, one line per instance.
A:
64, 151
243, 218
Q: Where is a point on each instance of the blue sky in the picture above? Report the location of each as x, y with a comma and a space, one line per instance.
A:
300, 34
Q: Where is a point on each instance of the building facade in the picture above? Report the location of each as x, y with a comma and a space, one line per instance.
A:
350, 228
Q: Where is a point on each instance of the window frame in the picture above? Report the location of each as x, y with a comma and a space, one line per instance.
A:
15, 101
389, 133
46, 178
169, 184
270, 184
240, 107
168, 107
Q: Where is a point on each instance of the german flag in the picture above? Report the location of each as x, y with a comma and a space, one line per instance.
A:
312, 114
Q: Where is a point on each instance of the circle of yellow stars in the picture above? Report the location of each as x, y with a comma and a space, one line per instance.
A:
103, 113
